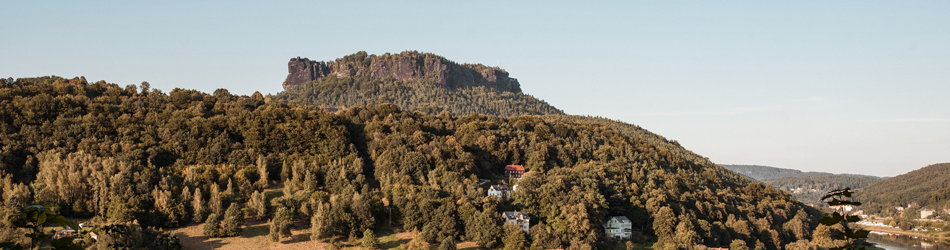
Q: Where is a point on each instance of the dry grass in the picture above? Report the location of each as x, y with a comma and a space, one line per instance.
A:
254, 236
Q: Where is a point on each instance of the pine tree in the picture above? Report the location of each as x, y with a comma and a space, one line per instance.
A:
369, 240
262, 170
284, 219
214, 202
233, 219
258, 205
448, 244
210, 227
274, 233
317, 223
198, 206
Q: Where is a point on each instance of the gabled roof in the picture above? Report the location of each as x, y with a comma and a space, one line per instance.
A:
514, 167
513, 215
622, 219
498, 187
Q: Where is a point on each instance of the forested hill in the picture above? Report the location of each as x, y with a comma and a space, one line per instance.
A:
166, 159
764, 172
810, 189
413, 81
807, 187
928, 187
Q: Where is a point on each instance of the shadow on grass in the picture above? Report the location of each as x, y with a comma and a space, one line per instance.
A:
259, 229
392, 243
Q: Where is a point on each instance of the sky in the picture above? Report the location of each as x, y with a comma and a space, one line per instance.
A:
833, 86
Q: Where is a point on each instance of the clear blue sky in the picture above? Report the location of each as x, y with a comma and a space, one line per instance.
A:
835, 86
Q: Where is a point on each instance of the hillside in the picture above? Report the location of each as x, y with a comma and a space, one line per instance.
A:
928, 187
413, 81
133, 153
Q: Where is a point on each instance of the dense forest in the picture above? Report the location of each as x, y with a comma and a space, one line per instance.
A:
928, 187
134, 154
810, 189
459, 93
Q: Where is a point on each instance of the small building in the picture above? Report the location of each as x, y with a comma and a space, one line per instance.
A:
514, 171
618, 227
924, 213
899, 208
520, 219
500, 191
844, 208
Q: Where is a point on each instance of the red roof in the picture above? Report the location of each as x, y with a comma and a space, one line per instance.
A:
514, 167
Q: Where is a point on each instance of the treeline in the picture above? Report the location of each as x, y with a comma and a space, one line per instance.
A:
810, 189
417, 95
132, 153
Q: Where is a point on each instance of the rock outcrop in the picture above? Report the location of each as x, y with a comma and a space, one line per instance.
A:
405, 66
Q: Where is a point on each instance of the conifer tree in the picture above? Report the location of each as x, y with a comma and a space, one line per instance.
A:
210, 227
317, 223
262, 170
369, 240
233, 219
448, 244
283, 219
258, 205
198, 205
214, 202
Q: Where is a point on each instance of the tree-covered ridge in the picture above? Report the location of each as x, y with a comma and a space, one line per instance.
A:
417, 95
130, 153
928, 187
810, 189
764, 172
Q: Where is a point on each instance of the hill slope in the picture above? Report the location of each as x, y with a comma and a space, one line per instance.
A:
929, 187
99, 149
413, 81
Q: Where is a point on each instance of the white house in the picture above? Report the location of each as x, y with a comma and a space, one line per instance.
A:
618, 227
500, 191
924, 213
520, 219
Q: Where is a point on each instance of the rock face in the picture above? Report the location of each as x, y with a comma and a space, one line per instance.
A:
405, 66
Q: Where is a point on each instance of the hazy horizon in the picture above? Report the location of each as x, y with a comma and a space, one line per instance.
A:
840, 87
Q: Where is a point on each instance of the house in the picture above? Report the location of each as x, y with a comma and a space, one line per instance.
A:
520, 219
618, 227
845, 208
924, 213
514, 171
899, 208
500, 191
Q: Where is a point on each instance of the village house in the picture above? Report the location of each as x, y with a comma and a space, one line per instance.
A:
924, 213
514, 171
500, 191
520, 219
845, 208
618, 227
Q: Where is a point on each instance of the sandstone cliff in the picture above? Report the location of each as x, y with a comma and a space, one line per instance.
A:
405, 66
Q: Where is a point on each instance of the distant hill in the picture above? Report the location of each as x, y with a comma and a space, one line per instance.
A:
807, 187
764, 172
929, 187
810, 189
413, 81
